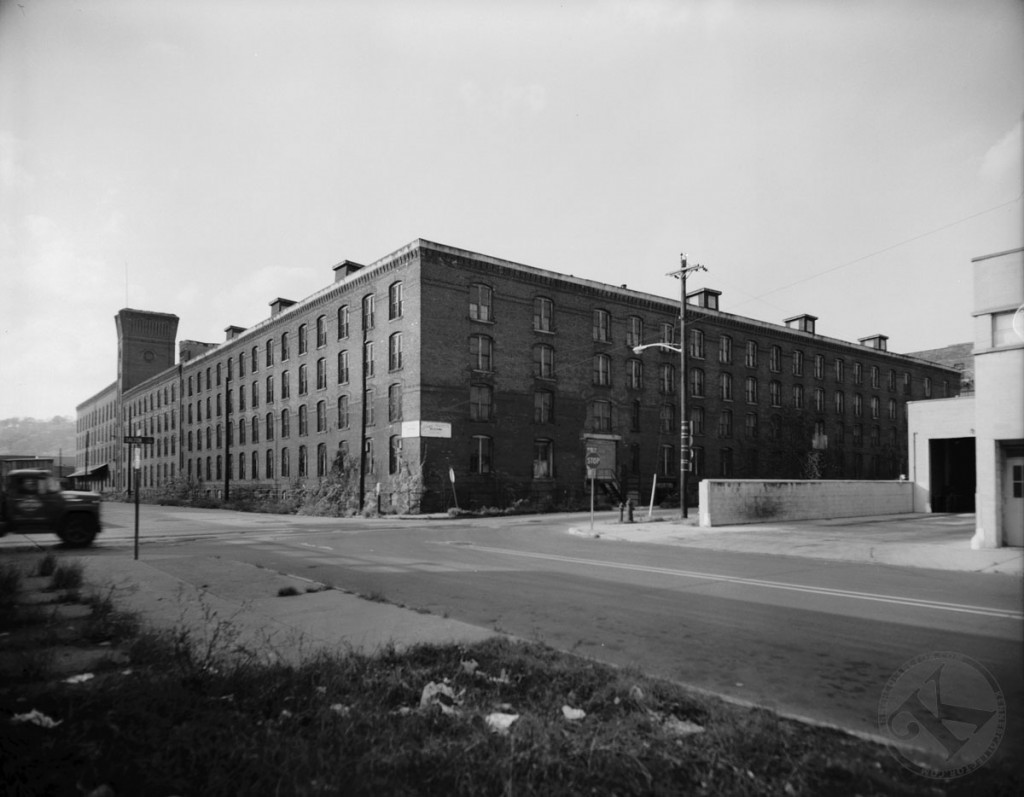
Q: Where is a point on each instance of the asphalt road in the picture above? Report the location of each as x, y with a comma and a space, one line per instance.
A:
808, 637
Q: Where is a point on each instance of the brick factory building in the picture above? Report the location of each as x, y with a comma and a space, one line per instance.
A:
435, 361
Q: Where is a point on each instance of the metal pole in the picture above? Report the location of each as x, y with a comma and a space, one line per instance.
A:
592, 503
227, 438
682, 388
133, 449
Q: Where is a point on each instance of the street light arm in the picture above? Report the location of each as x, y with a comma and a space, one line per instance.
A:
638, 349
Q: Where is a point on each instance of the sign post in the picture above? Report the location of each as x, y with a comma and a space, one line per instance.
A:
451, 477
593, 461
134, 441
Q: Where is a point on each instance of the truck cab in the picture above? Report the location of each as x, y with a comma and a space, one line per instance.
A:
33, 501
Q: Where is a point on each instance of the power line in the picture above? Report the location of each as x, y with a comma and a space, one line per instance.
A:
883, 250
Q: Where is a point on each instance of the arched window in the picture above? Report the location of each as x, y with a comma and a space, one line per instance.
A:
543, 314
543, 459
395, 351
270, 426
343, 415
285, 424
321, 331
368, 312
634, 374
480, 402
395, 402
697, 344
480, 298
395, 300
480, 454
394, 453
480, 350
343, 322
697, 383
302, 338
544, 361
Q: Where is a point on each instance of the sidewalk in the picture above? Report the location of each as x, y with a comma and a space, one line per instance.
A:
232, 606
940, 542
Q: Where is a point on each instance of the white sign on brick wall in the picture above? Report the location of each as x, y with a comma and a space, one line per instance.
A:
426, 429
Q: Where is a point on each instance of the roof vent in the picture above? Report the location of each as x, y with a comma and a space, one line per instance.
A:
804, 322
345, 268
233, 332
880, 342
279, 304
705, 297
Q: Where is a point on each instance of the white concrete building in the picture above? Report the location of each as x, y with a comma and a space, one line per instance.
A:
979, 440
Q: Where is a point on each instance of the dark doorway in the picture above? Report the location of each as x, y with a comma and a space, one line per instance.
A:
952, 474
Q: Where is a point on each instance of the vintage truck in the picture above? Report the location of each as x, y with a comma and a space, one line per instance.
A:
33, 501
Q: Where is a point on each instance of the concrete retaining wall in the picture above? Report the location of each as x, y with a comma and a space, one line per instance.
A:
729, 502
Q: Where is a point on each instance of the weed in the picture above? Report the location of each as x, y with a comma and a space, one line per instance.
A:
67, 576
107, 623
10, 584
34, 664
287, 592
46, 565
375, 595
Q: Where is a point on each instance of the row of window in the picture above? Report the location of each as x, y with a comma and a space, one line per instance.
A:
278, 464
282, 422
481, 309
481, 461
282, 346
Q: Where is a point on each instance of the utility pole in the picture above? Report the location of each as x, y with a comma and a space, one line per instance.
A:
685, 461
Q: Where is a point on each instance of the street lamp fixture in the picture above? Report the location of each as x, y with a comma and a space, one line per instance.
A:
684, 422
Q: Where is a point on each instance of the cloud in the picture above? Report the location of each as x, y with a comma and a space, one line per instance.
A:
504, 102
13, 173
1003, 159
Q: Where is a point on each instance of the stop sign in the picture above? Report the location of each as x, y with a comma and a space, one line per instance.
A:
593, 460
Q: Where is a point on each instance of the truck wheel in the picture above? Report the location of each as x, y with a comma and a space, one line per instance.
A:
78, 531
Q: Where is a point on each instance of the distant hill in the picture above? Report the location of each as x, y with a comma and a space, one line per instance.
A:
34, 437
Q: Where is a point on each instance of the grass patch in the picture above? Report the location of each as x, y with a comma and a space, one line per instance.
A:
47, 565
10, 585
67, 577
353, 724
107, 623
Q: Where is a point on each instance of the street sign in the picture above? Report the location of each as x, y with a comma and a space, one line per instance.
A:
138, 440
593, 461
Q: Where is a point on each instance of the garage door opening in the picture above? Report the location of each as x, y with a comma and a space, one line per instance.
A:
952, 474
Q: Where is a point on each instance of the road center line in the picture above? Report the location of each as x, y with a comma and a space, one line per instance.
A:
985, 611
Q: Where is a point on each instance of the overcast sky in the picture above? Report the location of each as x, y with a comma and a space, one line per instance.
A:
845, 159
